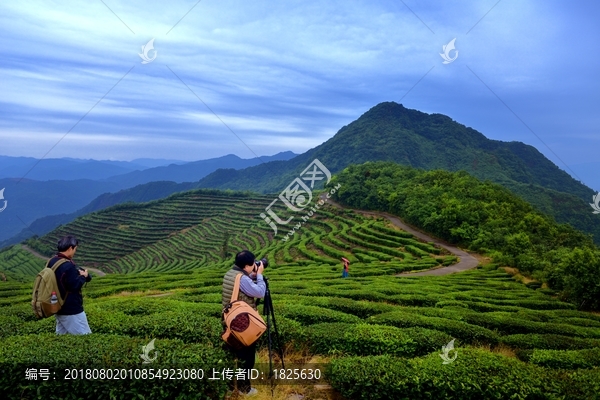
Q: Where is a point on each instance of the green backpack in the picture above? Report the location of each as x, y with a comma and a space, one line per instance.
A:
45, 283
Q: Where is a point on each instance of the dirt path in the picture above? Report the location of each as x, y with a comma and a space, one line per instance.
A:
32, 251
38, 255
466, 262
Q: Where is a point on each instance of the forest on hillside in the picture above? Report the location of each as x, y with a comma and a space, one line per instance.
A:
483, 217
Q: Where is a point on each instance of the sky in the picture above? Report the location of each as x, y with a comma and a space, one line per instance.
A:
256, 78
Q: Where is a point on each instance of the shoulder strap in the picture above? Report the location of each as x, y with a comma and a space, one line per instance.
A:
236, 288
54, 268
57, 264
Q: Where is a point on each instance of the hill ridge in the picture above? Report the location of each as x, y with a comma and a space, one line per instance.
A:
391, 132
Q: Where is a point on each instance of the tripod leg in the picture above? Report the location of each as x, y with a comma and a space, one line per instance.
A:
270, 313
271, 317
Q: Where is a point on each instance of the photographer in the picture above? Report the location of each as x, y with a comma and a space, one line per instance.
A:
252, 286
70, 279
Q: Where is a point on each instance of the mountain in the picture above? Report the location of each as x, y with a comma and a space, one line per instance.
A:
194, 171
155, 162
62, 168
391, 132
483, 217
50, 203
197, 229
589, 173
137, 194
29, 200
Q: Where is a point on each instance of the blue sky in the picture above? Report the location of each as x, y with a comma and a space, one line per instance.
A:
288, 75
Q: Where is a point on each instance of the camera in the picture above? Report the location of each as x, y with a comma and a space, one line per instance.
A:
82, 269
265, 263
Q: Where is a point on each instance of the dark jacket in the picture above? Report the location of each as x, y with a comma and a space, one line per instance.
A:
69, 280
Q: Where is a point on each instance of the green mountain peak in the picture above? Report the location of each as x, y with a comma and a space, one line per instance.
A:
391, 132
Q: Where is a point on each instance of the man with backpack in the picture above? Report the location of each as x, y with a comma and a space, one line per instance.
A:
251, 287
70, 279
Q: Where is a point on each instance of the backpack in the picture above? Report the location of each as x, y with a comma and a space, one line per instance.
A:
244, 325
45, 283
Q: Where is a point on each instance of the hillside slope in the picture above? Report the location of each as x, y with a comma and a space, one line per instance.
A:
482, 216
200, 229
29, 200
138, 194
391, 132
372, 332
38, 207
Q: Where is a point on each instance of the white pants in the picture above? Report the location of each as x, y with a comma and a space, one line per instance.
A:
73, 324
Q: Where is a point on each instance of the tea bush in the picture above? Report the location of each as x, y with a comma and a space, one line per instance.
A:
308, 315
114, 352
474, 375
579, 384
360, 308
368, 339
463, 331
566, 359
548, 342
507, 324
372, 314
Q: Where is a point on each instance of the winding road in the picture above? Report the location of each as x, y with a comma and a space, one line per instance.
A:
466, 261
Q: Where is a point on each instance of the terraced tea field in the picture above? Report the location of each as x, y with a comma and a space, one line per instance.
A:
194, 230
379, 334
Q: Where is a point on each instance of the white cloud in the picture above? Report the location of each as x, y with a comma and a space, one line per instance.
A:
283, 75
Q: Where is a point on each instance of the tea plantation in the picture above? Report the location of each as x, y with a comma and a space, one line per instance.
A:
380, 333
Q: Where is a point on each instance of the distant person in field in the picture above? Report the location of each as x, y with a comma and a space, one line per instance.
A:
252, 287
346, 267
70, 279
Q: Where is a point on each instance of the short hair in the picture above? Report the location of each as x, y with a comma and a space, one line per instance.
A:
66, 242
243, 258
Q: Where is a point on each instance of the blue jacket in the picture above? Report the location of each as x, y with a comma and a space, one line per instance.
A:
69, 280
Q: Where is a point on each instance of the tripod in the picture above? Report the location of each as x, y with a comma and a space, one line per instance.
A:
269, 312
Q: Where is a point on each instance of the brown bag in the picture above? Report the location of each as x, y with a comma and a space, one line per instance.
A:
244, 324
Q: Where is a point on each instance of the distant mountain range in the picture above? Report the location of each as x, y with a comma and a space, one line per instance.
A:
63, 197
68, 169
193, 171
387, 132
128, 173
137, 194
391, 132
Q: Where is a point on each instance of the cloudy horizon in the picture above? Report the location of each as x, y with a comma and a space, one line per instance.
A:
231, 77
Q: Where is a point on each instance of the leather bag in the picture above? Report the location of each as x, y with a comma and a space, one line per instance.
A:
244, 325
